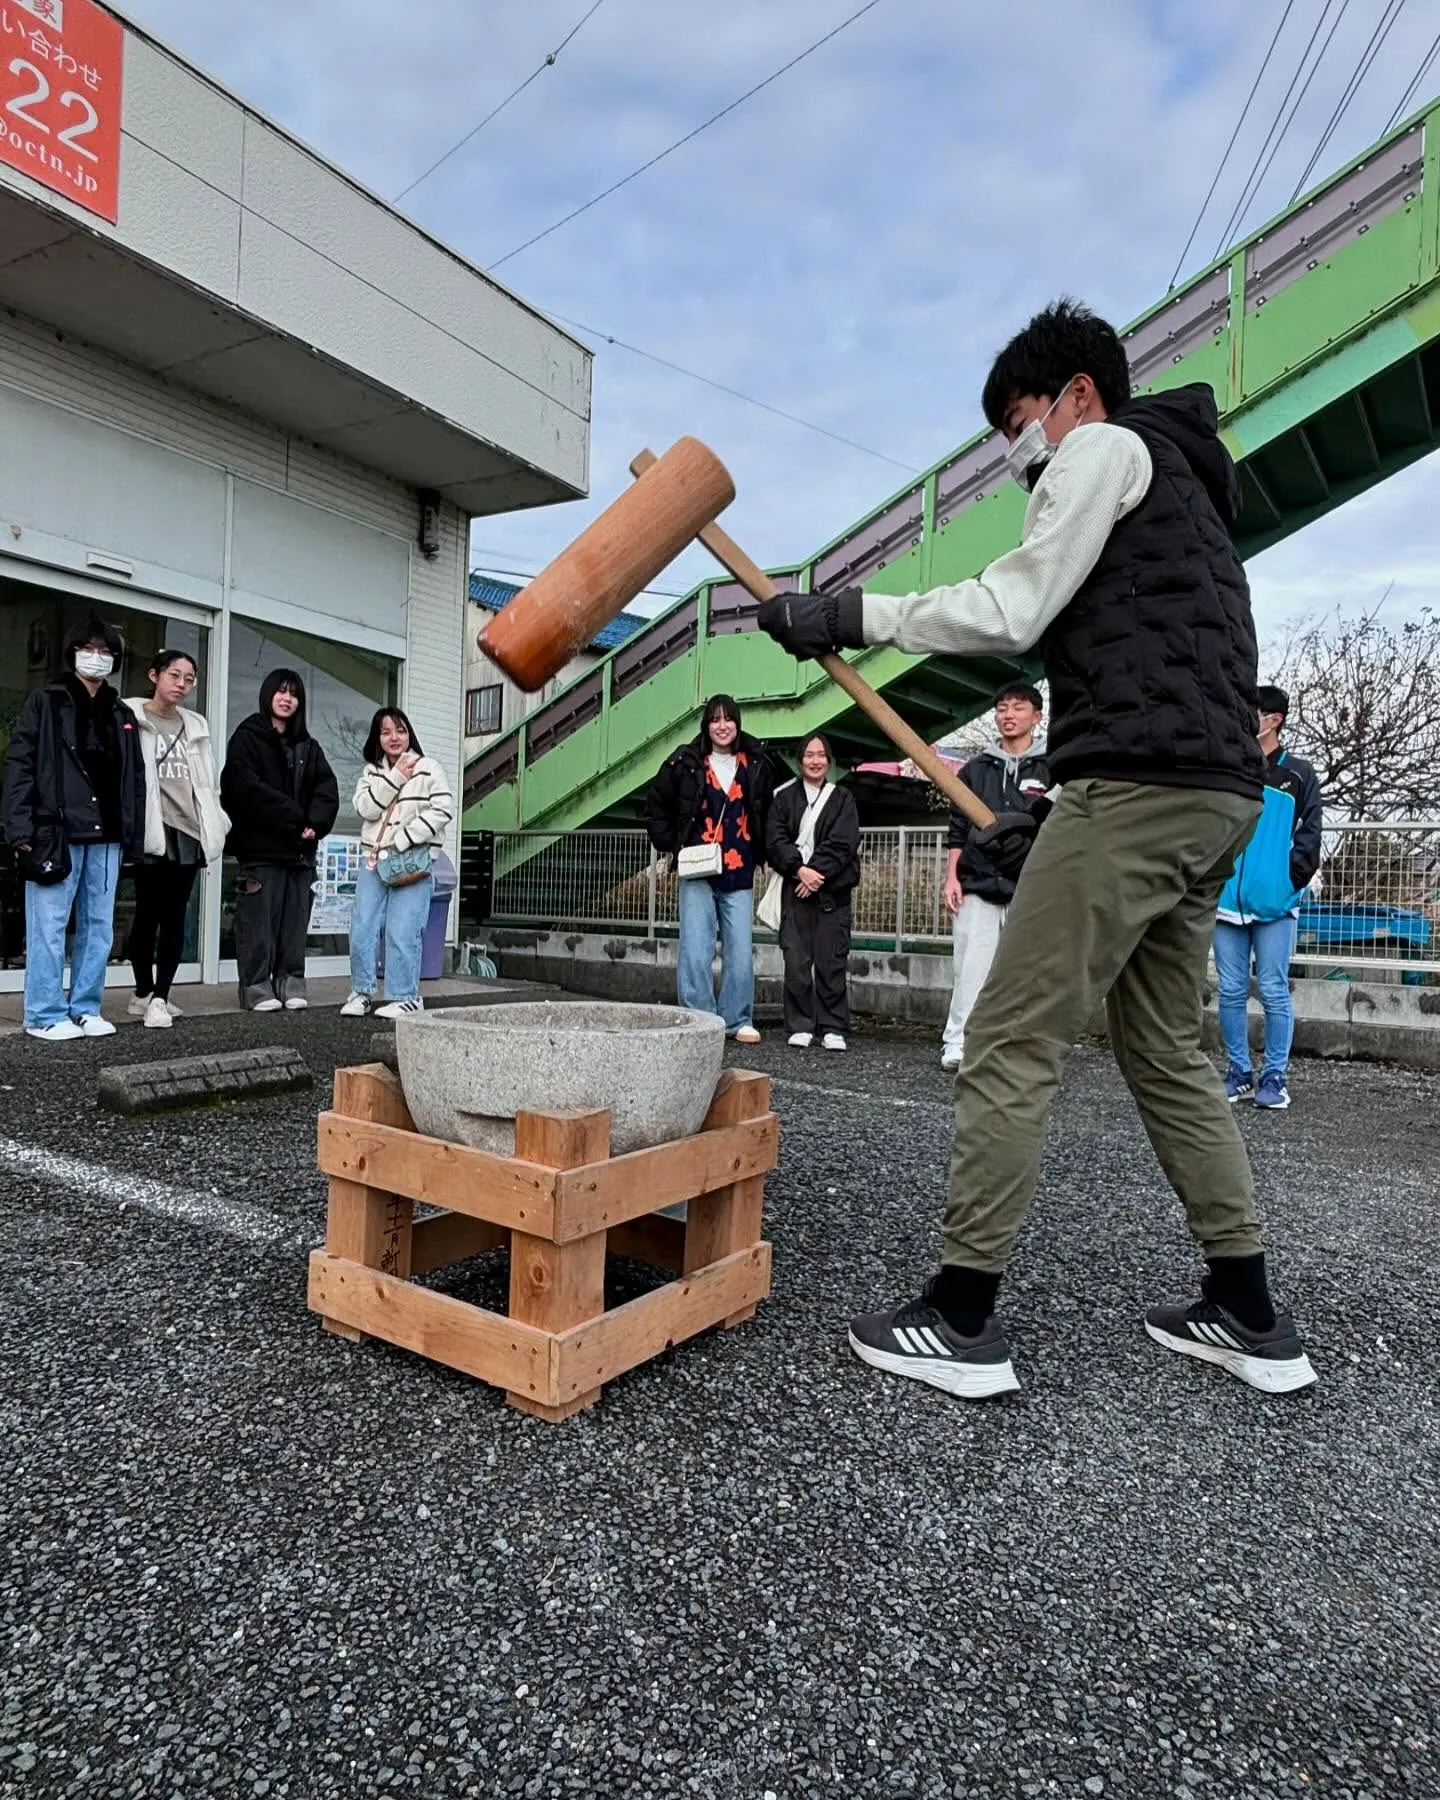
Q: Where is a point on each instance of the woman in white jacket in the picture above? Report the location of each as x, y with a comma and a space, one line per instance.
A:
184, 830
405, 804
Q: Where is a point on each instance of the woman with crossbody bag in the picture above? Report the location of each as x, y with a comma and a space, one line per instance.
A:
707, 808
405, 806
813, 845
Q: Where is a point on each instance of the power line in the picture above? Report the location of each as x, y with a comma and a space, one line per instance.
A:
1389, 14
1414, 87
1234, 137
495, 112
734, 393
1280, 125
669, 150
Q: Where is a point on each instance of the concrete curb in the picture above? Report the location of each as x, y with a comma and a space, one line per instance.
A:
199, 1080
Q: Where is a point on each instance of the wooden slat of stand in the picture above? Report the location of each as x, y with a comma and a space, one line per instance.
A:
601, 1195
503, 1189
593, 1354
369, 1224
720, 1223
654, 1239
449, 1237
558, 1285
504, 1352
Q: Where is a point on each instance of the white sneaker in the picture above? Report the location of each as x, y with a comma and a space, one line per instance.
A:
356, 1006
296, 1004
57, 1033
92, 1025
747, 1034
270, 1005
138, 1008
157, 1015
832, 1040
800, 1040
950, 1060
399, 1009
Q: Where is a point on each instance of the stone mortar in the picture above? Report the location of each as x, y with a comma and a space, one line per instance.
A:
468, 1070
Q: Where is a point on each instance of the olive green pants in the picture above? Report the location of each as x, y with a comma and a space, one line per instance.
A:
1116, 903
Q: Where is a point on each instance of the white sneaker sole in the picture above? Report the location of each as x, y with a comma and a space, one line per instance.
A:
1260, 1372
968, 1381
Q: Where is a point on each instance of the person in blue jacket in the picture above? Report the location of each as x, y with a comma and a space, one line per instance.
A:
1258, 907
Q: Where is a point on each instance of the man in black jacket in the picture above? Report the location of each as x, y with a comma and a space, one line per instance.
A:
282, 798
1009, 777
1128, 580
74, 806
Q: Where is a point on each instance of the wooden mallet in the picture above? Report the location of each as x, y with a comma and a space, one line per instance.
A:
674, 500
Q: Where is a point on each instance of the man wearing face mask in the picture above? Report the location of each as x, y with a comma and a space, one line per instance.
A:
1130, 585
74, 805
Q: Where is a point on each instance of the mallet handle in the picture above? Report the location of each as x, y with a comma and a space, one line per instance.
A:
875, 707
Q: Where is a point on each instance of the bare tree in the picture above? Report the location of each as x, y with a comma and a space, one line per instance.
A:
1365, 710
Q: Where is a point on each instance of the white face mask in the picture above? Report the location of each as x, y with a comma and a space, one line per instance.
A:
93, 665
1031, 450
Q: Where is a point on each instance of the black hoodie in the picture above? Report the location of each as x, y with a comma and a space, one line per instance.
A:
275, 784
1152, 666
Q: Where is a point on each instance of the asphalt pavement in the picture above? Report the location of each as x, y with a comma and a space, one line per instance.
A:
244, 1558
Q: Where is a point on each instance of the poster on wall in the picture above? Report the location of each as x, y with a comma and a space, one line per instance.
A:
61, 64
337, 867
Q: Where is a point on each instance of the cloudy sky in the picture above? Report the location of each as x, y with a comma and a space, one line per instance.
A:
854, 243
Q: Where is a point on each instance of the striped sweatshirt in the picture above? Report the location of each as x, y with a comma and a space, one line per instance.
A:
424, 806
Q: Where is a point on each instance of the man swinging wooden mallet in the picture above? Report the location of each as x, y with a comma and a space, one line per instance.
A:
1128, 580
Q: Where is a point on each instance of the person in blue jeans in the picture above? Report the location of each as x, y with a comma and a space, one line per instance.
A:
716, 790
405, 806
74, 805
1259, 904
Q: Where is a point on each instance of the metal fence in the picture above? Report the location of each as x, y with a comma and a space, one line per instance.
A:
1375, 903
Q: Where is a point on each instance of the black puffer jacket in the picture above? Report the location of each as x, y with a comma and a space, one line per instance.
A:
1152, 666
1005, 784
837, 837
269, 803
675, 799
46, 770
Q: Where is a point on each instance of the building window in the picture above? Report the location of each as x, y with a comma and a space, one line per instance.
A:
483, 710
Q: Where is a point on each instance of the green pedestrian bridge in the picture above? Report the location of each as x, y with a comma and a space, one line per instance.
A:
1320, 335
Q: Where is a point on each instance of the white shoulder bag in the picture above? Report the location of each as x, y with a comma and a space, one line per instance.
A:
767, 913
698, 861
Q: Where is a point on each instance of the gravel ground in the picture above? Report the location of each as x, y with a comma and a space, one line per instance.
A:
244, 1558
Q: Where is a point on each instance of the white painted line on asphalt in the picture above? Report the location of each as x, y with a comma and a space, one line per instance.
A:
845, 1093
236, 1218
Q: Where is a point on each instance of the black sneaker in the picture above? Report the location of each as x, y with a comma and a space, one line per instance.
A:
1273, 1361
914, 1340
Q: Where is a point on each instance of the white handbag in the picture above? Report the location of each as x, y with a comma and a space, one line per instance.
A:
698, 860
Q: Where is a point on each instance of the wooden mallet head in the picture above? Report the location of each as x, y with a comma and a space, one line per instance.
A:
614, 559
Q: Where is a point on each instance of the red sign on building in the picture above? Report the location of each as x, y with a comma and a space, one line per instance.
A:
61, 63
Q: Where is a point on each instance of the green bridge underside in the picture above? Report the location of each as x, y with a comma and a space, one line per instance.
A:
1321, 338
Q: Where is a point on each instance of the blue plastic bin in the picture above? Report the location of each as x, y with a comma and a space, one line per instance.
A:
432, 951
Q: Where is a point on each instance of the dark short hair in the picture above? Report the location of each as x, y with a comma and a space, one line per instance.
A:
161, 662
94, 631
1058, 344
374, 751
1019, 690
719, 706
815, 737
1271, 699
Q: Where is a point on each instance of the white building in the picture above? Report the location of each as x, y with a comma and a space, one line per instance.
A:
246, 409
493, 703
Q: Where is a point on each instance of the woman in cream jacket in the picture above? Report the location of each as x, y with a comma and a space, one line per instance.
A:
404, 803
185, 830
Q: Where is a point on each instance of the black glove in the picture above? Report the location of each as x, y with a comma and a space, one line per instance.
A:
1007, 842
814, 624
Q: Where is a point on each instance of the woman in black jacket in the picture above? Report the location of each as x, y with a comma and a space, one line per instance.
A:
813, 844
74, 805
716, 790
282, 798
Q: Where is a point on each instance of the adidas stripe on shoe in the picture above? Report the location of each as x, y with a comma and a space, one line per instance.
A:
916, 1341
1273, 1361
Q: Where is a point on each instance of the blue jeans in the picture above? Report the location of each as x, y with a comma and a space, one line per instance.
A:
401, 913
703, 911
1271, 944
90, 889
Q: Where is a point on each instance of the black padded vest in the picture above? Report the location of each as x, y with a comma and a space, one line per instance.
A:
1152, 666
